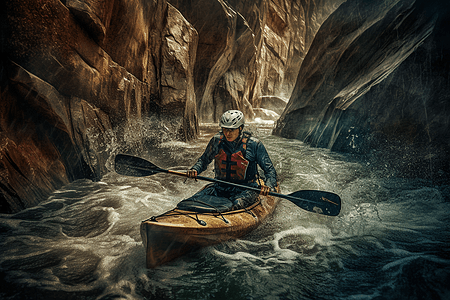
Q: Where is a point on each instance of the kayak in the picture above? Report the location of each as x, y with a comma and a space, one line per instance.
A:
179, 231
193, 224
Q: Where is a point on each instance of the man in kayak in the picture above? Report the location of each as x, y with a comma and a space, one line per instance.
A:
236, 157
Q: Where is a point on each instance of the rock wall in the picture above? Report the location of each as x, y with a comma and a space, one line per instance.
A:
84, 79
74, 74
249, 49
376, 81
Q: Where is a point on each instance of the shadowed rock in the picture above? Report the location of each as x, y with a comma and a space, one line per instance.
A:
373, 79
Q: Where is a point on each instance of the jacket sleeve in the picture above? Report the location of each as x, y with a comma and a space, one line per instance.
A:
207, 156
263, 160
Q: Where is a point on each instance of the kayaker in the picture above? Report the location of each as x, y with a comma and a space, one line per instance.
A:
236, 156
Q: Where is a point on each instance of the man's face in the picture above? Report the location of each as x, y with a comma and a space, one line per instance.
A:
231, 134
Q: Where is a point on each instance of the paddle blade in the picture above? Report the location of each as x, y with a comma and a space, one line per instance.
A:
320, 202
134, 166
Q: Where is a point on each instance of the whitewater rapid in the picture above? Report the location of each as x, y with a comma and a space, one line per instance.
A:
391, 240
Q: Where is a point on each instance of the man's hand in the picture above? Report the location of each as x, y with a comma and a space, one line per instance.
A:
265, 190
192, 174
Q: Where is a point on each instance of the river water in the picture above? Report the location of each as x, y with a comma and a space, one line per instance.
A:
391, 240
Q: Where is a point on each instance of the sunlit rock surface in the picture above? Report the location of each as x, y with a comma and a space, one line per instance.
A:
249, 49
77, 75
376, 78
273, 103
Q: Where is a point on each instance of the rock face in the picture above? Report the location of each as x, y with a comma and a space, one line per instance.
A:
249, 49
376, 78
84, 79
73, 72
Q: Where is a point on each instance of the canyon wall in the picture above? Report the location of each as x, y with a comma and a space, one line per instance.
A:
376, 81
76, 78
250, 49
84, 79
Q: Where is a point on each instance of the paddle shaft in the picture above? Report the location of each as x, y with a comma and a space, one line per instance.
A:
235, 185
314, 201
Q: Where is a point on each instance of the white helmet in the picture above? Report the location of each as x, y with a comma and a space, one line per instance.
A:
232, 119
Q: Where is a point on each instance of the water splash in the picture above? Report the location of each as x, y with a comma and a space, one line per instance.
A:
390, 240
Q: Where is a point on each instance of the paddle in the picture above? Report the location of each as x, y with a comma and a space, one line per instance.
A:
320, 202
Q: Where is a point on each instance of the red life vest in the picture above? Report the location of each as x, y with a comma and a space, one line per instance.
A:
232, 166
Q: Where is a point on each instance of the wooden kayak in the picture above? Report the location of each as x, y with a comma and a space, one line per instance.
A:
180, 230
177, 231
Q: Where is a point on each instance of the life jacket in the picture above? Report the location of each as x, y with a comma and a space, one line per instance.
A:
231, 165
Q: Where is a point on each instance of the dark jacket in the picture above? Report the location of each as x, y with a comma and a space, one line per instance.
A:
255, 153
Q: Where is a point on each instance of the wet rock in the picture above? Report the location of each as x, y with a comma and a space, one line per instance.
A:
212, 27
83, 78
74, 75
265, 114
85, 12
177, 72
48, 142
249, 49
274, 103
374, 80
92, 134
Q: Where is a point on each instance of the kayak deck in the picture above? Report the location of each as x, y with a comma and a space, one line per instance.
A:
177, 232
